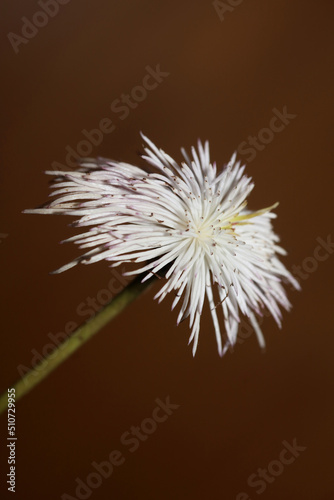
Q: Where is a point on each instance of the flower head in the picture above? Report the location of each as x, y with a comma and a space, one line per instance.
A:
188, 220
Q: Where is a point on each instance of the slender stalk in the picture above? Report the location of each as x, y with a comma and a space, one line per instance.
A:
76, 340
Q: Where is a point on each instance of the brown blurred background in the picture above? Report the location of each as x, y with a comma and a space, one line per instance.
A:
225, 78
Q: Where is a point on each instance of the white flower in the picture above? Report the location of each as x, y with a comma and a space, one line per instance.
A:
188, 218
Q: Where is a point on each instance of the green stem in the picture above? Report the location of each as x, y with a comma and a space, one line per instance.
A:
76, 340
